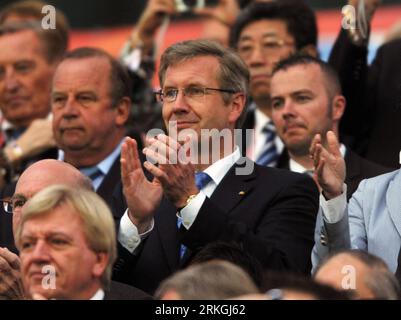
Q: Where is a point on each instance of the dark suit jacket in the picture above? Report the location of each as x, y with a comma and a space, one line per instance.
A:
273, 219
357, 169
249, 123
121, 291
373, 96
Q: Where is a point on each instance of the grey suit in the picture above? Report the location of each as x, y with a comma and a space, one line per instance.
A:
372, 222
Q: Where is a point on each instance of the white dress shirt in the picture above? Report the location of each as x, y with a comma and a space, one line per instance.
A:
99, 295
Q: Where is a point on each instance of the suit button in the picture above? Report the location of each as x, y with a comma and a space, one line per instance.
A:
323, 240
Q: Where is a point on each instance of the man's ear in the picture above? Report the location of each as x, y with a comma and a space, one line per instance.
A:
100, 266
237, 106
338, 107
123, 110
309, 50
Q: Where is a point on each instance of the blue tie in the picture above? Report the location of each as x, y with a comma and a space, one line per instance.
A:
268, 157
201, 180
92, 172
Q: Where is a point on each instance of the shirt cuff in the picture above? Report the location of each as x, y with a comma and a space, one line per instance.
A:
190, 211
334, 209
128, 234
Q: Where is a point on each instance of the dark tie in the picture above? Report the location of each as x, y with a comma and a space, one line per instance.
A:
201, 180
269, 155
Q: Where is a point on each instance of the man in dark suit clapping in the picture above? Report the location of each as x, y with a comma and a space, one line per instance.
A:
211, 194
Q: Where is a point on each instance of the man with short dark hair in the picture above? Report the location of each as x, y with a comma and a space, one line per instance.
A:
264, 34
307, 100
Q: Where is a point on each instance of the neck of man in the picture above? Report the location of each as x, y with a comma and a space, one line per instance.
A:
302, 159
215, 152
89, 157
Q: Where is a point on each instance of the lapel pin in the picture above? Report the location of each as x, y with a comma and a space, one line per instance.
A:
241, 193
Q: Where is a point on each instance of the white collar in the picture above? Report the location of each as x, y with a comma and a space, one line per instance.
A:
99, 295
260, 121
219, 169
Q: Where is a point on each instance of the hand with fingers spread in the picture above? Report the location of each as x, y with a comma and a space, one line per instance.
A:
329, 165
11, 287
142, 196
175, 171
226, 11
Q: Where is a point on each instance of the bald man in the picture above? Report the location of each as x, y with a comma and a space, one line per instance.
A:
38, 176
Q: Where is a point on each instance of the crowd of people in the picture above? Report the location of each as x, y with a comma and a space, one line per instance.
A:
255, 171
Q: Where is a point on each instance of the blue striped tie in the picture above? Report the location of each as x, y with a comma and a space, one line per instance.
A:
201, 180
268, 157
92, 172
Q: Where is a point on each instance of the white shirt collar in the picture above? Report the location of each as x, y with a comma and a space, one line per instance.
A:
296, 167
99, 295
219, 169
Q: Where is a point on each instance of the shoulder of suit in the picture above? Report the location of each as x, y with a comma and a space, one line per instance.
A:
380, 182
280, 174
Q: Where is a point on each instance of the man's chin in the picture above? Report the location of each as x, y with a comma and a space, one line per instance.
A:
298, 149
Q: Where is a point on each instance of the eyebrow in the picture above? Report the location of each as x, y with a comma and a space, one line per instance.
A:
48, 235
19, 196
302, 91
265, 35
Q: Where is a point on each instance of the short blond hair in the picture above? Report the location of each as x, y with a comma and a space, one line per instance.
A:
98, 223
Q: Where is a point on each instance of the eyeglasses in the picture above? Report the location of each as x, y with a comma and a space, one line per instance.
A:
12, 203
268, 47
195, 93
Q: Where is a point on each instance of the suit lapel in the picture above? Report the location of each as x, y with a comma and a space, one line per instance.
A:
394, 202
109, 182
233, 188
283, 161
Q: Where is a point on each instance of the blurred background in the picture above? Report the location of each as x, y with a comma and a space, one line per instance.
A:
107, 24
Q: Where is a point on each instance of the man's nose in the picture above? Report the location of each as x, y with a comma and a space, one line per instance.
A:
11, 81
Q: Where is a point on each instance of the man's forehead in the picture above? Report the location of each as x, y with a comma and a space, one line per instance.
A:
87, 72
271, 28
26, 40
303, 74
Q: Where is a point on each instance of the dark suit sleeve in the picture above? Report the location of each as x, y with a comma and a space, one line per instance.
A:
281, 232
350, 62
